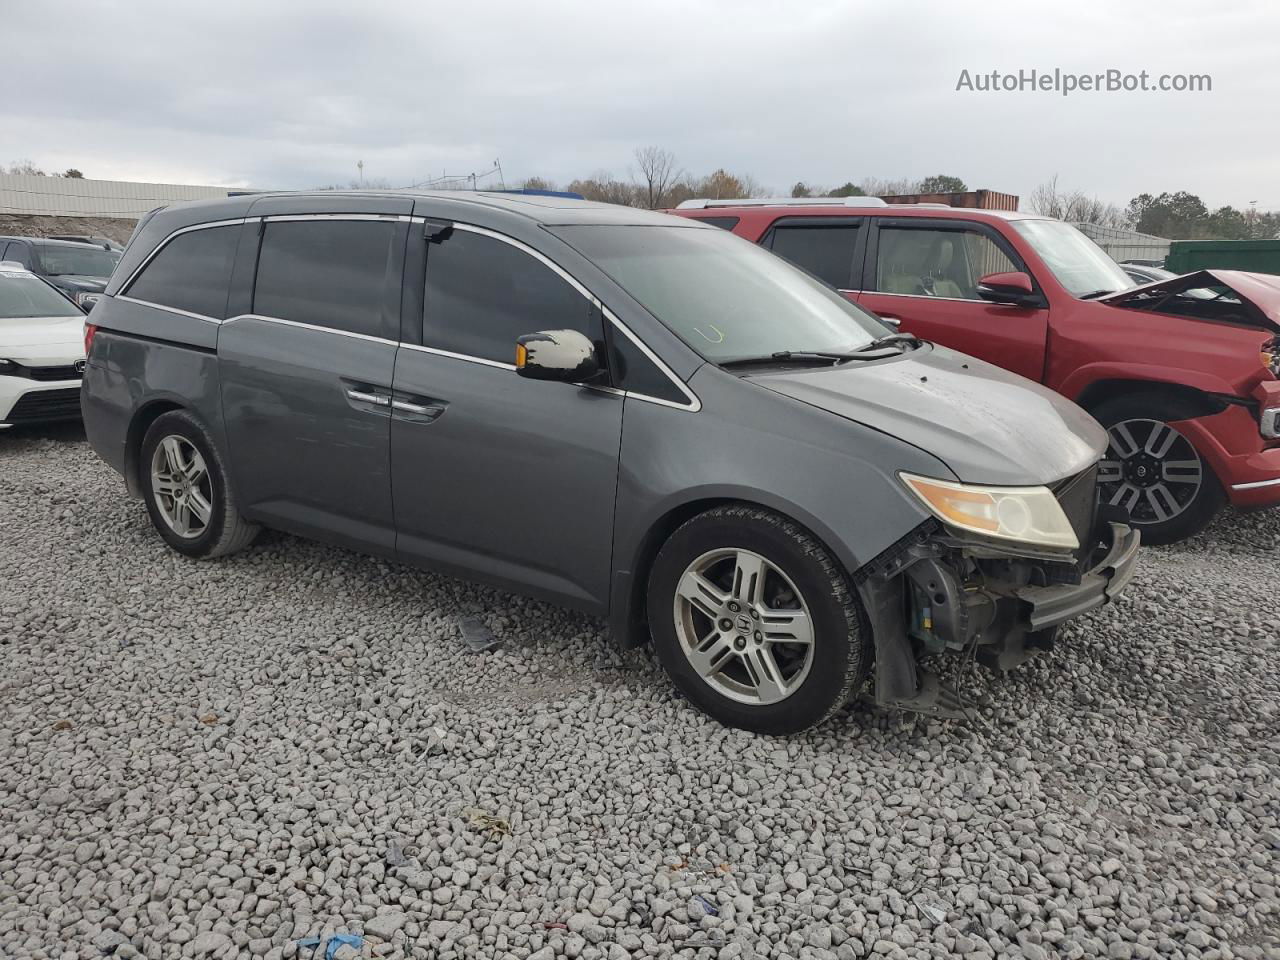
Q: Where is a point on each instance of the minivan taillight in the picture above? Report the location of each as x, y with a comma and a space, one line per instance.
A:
89, 330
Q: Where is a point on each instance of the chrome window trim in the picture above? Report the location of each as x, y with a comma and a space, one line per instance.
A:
310, 326
290, 217
923, 296
168, 309
124, 287
693, 405
436, 351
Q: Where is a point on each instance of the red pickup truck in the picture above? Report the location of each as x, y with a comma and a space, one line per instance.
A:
1182, 373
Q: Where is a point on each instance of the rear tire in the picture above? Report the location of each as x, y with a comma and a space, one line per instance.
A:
1152, 470
755, 621
188, 491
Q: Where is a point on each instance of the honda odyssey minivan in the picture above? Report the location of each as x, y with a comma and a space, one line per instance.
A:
632, 414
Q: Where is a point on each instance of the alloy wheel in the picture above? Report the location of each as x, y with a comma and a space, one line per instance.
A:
743, 626
181, 486
1150, 469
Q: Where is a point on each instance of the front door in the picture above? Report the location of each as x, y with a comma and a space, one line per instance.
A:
496, 477
923, 274
306, 378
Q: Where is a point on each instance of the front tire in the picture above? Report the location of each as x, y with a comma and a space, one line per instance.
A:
1153, 471
755, 621
187, 489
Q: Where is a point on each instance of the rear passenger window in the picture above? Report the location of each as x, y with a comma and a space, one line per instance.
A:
483, 293
329, 272
191, 272
826, 252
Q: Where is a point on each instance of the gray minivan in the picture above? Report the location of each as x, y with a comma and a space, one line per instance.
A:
635, 415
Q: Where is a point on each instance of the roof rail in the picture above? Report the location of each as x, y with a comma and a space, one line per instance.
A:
702, 204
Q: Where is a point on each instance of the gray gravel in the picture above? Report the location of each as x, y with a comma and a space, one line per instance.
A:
217, 759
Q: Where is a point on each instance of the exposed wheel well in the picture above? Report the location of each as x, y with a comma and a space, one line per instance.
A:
146, 415
636, 625
1181, 402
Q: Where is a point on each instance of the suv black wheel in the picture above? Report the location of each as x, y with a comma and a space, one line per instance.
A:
187, 491
756, 622
1152, 470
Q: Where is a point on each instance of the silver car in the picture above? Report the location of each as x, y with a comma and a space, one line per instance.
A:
638, 416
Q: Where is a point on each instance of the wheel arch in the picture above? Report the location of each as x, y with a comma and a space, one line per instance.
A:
627, 617
1183, 402
147, 414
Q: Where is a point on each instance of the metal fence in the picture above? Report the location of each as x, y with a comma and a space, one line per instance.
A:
1126, 244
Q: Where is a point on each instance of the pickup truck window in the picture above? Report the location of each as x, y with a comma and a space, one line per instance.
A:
826, 252
923, 262
1077, 262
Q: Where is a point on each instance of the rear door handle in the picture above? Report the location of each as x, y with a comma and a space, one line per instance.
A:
419, 408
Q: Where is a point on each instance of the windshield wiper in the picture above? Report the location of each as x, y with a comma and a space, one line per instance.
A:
1094, 294
889, 340
790, 356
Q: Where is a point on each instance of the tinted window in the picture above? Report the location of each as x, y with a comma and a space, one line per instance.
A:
635, 372
724, 223
332, 273
483, 293
79, 259
191, 272
826, 252
937, 263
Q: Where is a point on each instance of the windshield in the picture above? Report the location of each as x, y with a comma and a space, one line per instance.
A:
722, 295
1079, 264
22, 295
80, 260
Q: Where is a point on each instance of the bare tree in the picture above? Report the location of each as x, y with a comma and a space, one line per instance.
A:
880, 187
538, 183
658, 170
604, 188
26, 167
1074, 206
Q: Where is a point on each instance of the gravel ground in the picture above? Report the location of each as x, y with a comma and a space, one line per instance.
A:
219, 759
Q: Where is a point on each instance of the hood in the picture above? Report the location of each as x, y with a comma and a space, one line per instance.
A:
71, 281
1227, 296
988, 425
38, 341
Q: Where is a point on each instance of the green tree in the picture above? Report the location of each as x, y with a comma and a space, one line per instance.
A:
801, 190
850, 189
74, 174
942, 184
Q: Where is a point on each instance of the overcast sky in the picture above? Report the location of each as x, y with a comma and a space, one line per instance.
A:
293, 94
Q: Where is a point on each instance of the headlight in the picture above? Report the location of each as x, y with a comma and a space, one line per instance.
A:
7, 365
1025, 514
1271, 356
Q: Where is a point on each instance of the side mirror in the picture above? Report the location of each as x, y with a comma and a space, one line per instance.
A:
1011, 288
563, 355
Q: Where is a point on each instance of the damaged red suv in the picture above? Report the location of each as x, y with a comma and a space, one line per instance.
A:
1182, 373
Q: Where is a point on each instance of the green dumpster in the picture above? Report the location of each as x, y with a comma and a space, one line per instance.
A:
1256, 256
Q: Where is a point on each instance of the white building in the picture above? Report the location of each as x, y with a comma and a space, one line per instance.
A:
22, 194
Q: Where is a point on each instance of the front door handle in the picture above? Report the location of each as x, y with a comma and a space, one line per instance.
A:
890, 319
363, 396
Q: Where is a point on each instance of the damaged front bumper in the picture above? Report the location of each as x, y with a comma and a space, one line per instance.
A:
937, 592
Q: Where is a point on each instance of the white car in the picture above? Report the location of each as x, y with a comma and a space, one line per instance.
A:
41, 350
